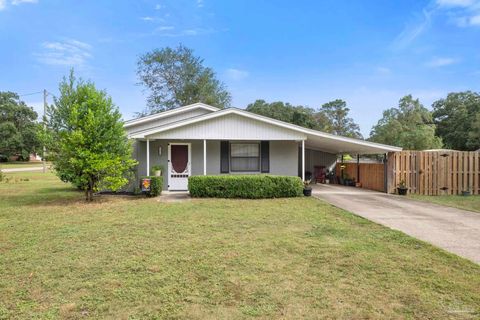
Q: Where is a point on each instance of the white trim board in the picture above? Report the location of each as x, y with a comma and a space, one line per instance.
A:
134, 122
314, 133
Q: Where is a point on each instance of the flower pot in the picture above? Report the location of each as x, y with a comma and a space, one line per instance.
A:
307, 192
402, 191
466, 193
158, 173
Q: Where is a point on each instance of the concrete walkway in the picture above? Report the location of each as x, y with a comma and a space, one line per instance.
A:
174, 196
452, 229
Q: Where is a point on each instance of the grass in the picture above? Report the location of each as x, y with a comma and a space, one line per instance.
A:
21, 164
125, 257
471, 203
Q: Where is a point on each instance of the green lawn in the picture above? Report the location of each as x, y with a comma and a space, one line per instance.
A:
21, 164
471, 203
135, 258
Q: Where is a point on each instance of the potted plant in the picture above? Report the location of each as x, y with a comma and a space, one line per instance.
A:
402, 188
307, 189
157, 170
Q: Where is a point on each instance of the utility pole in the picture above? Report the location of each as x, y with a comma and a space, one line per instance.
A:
44, 128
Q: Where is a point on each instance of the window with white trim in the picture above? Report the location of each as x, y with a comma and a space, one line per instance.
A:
244, 157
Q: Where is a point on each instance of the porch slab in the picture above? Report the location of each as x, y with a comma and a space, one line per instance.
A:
174, 196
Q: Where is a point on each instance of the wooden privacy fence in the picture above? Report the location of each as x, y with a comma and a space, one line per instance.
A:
435, 173
371, 174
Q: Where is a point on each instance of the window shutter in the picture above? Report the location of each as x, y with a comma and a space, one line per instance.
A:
224, 163
265, 156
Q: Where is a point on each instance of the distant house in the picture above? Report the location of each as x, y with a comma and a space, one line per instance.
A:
32, 157
199, 139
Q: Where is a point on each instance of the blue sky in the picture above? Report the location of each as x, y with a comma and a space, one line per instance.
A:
369, 53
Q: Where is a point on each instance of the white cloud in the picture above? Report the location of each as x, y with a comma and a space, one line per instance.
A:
463, 13
440, 62
164, 28
18, 2
413, 30
69, 52
3, 3
456, 3
147, 18
200, 3
475, 20
166, 31
158, 6
236, 74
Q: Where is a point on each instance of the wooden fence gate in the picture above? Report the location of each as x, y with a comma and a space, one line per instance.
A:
435, 173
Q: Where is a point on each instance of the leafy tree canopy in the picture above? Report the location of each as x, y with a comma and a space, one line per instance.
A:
18, 126
176, 77
409, 126
86, 139
458, 120
332, 117
299, 115
335, 119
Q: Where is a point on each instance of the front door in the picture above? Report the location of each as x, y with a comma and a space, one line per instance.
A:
179, 167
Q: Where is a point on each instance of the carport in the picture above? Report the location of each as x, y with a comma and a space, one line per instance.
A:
323, 149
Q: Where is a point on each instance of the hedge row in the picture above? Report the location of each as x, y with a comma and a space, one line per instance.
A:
245, 186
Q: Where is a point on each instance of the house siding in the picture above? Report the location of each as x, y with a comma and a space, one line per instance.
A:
231, 127
283, 157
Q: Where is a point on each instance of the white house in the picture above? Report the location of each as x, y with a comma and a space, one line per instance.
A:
199, 139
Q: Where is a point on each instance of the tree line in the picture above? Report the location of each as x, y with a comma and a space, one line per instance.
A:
176, 77
88, 146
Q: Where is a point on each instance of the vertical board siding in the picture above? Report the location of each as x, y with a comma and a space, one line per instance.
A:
372, 175
435, 173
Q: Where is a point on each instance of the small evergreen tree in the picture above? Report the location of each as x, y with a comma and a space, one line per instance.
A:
86, 138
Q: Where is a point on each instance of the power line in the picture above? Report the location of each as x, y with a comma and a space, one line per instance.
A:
29, 94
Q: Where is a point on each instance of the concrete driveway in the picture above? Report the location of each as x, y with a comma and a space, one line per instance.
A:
452, 229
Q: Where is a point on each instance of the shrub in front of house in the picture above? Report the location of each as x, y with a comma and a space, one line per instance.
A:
245, 186
156, 184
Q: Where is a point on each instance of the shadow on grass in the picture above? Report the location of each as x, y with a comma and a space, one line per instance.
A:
68, 197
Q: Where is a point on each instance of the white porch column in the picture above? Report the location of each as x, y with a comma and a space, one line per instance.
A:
148, 157
204, 157
303, 160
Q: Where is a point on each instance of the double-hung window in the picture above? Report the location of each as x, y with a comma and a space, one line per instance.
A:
244, 157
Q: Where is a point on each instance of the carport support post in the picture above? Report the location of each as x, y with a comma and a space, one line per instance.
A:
341, 170
385, 173
358, 168
303, 160
148, 157
204, 157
